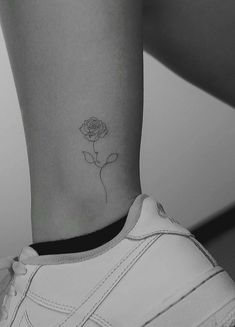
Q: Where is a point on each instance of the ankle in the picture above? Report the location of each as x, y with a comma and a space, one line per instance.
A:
63, 217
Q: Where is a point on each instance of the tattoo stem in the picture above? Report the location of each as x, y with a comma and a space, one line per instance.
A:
101, 179
96, 153
97, 164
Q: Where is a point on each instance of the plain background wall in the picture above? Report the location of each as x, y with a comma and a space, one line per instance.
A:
187, 158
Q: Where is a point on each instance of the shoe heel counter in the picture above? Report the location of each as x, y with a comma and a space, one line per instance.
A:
204, 251
187, 256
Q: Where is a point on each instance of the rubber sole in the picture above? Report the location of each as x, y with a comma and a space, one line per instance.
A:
210, 304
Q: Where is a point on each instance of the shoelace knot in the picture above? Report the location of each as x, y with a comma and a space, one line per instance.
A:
16, 268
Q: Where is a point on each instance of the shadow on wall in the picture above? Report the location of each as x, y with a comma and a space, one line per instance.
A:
217, 234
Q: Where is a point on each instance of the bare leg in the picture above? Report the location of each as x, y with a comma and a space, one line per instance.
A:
196, 40
74, 60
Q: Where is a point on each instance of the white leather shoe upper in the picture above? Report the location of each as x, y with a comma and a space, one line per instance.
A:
148, 265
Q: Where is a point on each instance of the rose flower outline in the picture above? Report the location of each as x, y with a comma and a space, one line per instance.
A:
93, 130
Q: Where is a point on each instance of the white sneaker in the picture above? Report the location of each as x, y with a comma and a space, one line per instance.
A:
153, 273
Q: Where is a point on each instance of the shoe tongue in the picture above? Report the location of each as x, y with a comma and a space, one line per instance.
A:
27, 253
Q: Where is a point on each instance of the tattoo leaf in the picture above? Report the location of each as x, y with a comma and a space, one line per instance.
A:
88, 157
111, 158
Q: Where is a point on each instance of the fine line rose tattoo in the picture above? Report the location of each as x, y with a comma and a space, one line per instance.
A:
93, 130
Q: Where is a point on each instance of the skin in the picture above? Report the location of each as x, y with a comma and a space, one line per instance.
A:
196, 39
77, 59
73, 60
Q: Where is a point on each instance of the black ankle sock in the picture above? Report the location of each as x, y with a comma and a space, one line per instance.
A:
80, 243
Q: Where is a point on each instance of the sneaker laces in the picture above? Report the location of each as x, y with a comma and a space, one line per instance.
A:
15, 268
